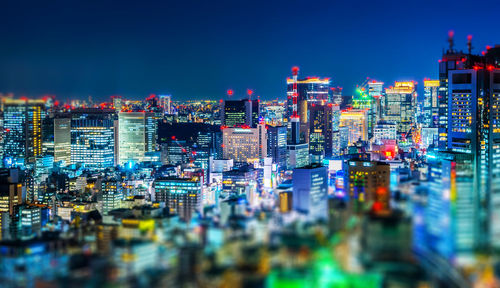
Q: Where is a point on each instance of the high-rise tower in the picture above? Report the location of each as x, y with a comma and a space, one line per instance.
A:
23, 128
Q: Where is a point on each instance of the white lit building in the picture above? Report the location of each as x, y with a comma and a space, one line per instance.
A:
356, 122
136, 136
244, 144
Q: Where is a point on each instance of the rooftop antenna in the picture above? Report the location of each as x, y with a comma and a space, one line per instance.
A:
451, 33
249, 92
469, 43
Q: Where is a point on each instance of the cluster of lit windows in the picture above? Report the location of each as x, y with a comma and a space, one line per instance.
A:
91, 144
495, 113
242, 146
461, 113
14, 127
357, 129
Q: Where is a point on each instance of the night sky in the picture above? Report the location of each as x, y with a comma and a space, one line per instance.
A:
199, 49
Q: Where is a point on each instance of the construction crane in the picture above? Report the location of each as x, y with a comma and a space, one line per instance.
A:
184, 150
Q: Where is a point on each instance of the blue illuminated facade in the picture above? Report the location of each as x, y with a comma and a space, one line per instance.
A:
93, 134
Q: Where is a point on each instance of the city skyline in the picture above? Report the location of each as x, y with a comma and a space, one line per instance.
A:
137, 50
249, 144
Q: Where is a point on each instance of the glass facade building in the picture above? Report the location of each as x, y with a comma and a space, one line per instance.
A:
23, 128
136, 136
400, 105
93, 134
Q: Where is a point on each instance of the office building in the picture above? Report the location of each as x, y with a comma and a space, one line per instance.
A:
377, 98
275, 114
93, 134
241, 181
309, 88
178, 152
276, 144
210, 141
110, 195
320, 130
62, 139
11, 190
431, 104
310, 191
376, 92
165, 103
47, 134
2, 137
136, 136
336, 96
451, 60
336, 145
400, 105
238, 113
452, 210
244, 144
30, 220
23, 128
297, 155
474, 128
181, 196
385, 130
368, 183
356, 122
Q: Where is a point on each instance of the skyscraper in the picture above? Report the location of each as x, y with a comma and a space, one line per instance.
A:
336, 95
244, 144
310, 191
136, 136
474, 128
451, 60
93, 134
452, 213
210, 141
377, 104
240, 113
309, 88
400, 105
62, 139
356, 123
276, 144
385, 130
336, 130
23, 128
431, 104
165, 102
320, 130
